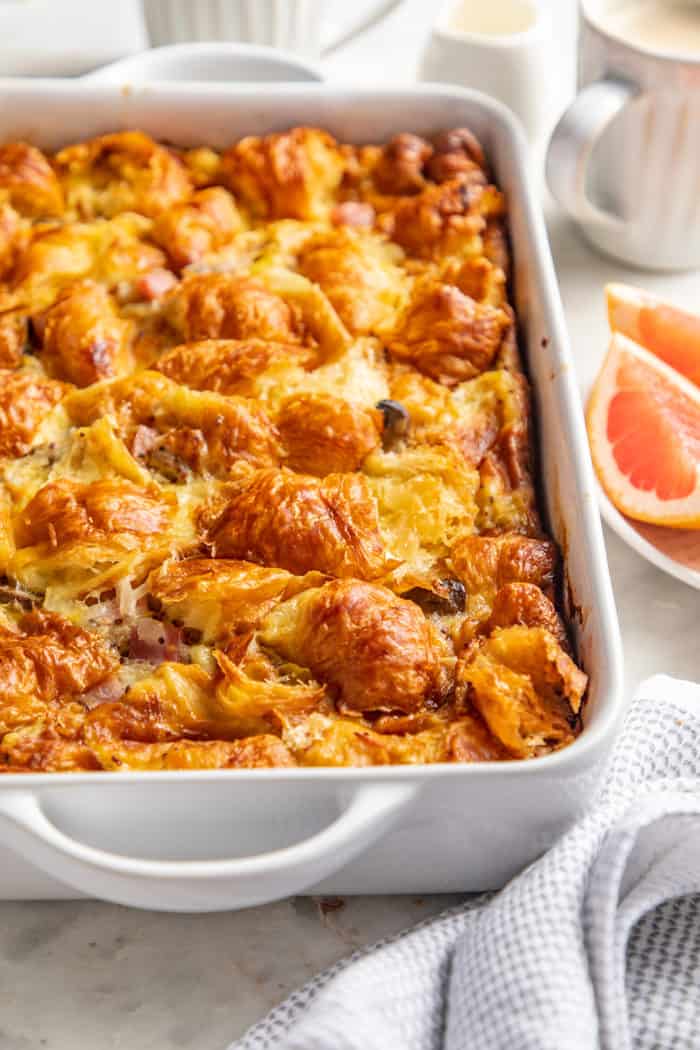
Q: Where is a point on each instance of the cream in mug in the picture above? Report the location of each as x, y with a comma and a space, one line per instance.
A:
657, 25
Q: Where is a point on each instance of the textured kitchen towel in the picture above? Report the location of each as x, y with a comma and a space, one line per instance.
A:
596, 945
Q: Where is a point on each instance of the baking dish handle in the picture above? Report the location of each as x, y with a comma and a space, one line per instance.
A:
207, 885
573, 141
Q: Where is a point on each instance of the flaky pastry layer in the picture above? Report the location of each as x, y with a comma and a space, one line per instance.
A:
265, 462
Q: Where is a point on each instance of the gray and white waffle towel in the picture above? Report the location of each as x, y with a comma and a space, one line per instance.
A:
596, 945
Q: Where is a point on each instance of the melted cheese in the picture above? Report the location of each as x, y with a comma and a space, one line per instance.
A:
265, 479
426, 500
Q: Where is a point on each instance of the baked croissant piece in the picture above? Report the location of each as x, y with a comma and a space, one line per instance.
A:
267, 488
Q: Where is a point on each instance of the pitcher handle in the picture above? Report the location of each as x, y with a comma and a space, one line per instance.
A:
573, 141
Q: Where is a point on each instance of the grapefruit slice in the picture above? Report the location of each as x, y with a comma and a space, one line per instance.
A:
644, 429
667, 331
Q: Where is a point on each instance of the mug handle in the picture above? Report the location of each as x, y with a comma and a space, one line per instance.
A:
359, 25
573, 141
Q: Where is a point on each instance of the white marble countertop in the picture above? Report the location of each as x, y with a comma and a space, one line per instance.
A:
88, 974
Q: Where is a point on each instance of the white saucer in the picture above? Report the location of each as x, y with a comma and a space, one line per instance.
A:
674, 551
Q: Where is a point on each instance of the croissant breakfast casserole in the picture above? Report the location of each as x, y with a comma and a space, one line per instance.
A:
266, 481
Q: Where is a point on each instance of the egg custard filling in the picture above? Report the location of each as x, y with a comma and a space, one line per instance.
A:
266, 475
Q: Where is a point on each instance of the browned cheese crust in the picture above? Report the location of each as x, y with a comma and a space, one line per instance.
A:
266, 473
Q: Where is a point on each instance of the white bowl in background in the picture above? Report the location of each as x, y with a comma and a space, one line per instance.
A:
293, 25
209, 63
41, 38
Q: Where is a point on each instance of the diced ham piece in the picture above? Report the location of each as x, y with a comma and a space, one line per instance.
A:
105, 692
155, 642
353, 213
155, 284
143, 441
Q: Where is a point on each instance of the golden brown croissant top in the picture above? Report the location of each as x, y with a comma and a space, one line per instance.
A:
266, 476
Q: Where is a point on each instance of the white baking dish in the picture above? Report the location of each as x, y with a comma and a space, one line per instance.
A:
225, 839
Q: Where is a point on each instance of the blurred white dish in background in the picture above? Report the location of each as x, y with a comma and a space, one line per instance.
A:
499, 47
229, 63
674, 551
294, 25
45, 38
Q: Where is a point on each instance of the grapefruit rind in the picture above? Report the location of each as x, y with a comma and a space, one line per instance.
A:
636, 503
624, 304
668, 331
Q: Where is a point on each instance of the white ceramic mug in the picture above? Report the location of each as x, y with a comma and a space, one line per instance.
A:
499, 48
624, 160
293, 25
